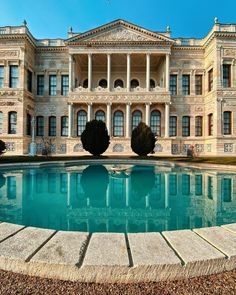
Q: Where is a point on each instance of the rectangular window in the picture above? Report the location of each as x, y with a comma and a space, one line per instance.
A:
40, 85
210, 124
198, 126
40, 126
173, 126
227, 190
198, 84
173, 184
64, 126
52, 126
185, 184
226, 76
52, 85
227, 123
1, 76
1, 122
28, 124
12, 123
173, 84
29, 80
198, 185
186, 84
210, 188
64, 85
186, 126
14, 75
210, 80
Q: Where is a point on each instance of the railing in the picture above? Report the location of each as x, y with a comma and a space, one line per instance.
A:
119, 89
13, 30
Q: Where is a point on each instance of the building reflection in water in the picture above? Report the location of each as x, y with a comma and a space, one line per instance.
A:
91, 198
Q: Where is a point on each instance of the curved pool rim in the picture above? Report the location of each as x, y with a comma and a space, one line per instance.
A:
116, 257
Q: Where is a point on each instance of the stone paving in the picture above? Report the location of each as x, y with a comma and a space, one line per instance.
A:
115, 257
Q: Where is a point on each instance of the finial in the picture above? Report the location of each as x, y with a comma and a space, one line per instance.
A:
216, 20
24, 23
70, 29
168, 29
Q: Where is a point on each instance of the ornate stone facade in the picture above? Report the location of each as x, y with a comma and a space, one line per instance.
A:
185, 89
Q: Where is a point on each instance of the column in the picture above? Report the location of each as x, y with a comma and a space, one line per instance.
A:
109, 118
147, 114
90, 71
109, 72
128, 71
90, 109
70, 119
127, 131
148, 71
167, 72
167, 118
71, 72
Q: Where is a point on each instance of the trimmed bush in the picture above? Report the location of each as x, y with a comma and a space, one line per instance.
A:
142, 140
95, 138
2, 147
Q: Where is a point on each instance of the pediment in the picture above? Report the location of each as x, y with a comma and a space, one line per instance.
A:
120, 31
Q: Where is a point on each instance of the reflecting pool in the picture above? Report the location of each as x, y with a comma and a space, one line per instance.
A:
104, 198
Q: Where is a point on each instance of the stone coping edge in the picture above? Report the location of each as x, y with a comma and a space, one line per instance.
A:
66, 163
117, 257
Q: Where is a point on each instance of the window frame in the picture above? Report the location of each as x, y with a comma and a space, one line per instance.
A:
40, 85
2, 75
12, 125
40, 126
172, 127
210, 124
52, 85
173, 86
120, 126
198, 84
81, 124
52, 126
198, 127
210, 80
64, 85
185, 84
64, 126
28, 124
227, 125
155, 122
226, 75
13, 79
101, 116
29, 80
186, 126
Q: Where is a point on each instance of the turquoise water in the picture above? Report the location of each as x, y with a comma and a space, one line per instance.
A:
96, 199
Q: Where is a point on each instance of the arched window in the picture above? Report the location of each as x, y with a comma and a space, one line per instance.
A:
152, 84
103, 83
227, 123
40, 126
28, 124
155, 122
136, 119
198, 126
81, 122
100, 116
64, 126
85, 83
1, 123
52, 128
134, 83
185, 126
119, 83
210, 124
173, 126
12, 123
118, 124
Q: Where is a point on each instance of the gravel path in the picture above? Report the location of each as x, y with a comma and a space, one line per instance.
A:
221, 284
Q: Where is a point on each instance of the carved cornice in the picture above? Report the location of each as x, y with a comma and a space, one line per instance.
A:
17, 37
52, 49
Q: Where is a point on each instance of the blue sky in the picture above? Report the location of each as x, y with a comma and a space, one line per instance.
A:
52, 18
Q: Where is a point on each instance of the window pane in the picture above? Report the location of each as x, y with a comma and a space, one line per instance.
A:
40, 126
186, 184
12, 124
185, 84
210, 188
81, 122
40, 85
210, 124
64, 85
52, 126
198, 185
64, 126
118, 83
173, 126
29, 80
173, 84
136, 119
210, 80
28, 124
1, 76
155, 122
53, 85
198, 84
226, 75
186, 126
100, 116
198, 126
227, 189
173, 184
13, 76
227, 123
118, 126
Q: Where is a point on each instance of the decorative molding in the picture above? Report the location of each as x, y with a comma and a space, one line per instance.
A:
9, 53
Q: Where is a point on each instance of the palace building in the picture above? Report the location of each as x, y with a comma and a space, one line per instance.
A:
184, 89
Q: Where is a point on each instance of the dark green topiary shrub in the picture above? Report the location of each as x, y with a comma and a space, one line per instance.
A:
95, 138
142, 140
2, 147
